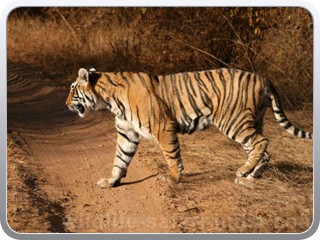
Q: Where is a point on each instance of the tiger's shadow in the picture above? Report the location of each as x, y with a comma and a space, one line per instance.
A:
290, 172
136, 181
284, 171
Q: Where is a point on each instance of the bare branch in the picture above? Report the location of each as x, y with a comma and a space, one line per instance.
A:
240, 42
200, 50
69, 26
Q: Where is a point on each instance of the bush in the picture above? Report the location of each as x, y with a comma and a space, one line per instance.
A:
275, 42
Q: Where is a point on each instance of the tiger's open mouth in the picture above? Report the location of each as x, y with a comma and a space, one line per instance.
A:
80, 108
77, 108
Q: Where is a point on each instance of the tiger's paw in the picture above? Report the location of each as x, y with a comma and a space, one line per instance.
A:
169, 180
245, 181
241, 172
108, 183
103, 183
249, 172
162, 177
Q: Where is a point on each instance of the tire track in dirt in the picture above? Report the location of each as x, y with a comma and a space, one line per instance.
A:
73, 154
29, 209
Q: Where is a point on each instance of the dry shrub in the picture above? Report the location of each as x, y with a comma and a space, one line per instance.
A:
275, 42
278, 44
147, 39
290, 48
41, 44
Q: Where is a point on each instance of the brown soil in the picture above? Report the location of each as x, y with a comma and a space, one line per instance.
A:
55, 159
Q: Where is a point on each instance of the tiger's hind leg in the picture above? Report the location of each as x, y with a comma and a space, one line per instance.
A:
255, 145
260, 167
249, 135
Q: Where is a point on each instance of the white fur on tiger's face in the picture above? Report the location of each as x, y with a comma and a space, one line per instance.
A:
160, 107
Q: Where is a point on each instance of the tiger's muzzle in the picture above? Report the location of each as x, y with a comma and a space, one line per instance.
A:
77, 108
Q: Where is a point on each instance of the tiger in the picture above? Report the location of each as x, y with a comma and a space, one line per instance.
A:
162, 106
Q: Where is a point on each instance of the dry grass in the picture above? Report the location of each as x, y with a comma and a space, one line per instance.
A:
292, 51
275, 42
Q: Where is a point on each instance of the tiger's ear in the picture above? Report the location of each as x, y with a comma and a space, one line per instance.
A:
83, 74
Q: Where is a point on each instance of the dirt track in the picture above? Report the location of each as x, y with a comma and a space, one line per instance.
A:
55, 159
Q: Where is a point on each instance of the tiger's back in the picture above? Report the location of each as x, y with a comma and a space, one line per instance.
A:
220, 96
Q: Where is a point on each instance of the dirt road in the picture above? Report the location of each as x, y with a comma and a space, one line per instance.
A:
55, 159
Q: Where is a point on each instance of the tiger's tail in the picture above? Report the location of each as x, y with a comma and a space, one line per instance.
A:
281, 117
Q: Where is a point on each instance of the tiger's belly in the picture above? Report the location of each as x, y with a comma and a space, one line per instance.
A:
199, 123
144, 132
204, 122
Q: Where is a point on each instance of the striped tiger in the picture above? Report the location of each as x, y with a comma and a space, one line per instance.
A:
160, 107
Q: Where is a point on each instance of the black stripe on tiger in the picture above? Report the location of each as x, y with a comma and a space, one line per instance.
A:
119, 157
175, 156
127, 138
233, 118
127, 153
281, 118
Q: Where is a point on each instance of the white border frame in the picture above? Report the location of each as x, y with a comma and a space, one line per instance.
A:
153, 3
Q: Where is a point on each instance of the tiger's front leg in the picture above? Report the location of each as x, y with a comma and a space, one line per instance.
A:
169, 144
127, 143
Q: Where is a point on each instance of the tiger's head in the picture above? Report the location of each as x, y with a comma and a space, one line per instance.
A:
82, 98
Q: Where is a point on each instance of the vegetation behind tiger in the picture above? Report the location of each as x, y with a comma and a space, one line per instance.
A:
274, 42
